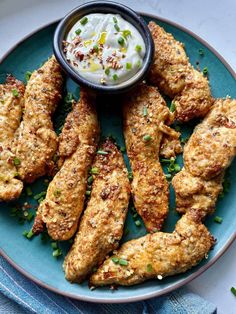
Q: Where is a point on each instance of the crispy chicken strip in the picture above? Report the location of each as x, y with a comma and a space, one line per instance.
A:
102, 224
157, 255
65, 197
196, 193
11, 105
145, 115
207, 154
174, 75
212, 146
36, 141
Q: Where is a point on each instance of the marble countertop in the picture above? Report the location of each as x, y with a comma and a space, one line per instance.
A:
212, 20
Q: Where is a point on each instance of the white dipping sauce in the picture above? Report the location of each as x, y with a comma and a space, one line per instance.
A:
105, 48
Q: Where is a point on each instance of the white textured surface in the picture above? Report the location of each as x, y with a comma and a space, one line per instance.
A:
213, 20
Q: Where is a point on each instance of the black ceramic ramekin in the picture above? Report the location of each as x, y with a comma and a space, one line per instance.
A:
103, 7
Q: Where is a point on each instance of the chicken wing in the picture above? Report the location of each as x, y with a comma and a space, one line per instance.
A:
65, 197
145, 115
11, 105
174, 75
102, 224
207, 154
36, 141
157, 255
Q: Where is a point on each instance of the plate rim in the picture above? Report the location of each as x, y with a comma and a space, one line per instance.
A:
149, 294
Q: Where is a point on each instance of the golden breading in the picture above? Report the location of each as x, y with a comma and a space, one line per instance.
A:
145, 115
65, 197
36, 141
171, 63
174, 75
11, 105
212, 146
102, 224
195, 99
157, 255
196, 193
209, 151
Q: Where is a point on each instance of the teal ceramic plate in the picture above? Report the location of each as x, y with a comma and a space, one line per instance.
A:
34, 257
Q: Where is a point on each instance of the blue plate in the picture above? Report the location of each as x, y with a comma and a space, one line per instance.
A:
34, 257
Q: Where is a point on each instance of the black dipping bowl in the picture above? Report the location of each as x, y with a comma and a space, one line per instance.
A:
136, 20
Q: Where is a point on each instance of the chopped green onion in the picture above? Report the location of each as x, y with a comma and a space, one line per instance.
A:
149, 268
137, 223
115, 19
172, 107
128, 66
57, 253
30, 234
15, 92
171, 168
130, 175
201, 52
28, 191
147, 138
84, 20
135, 215
233, 290
121, 41
115, 260
57, 193
89, 187
177, 128
107, 71
177, 167
218, 219
138, 48
94, 170
28, 75
126, 33
117, 27
54, 245
123, 262
165, 161
25, 233
78, 31
95, 48
41, 199
115, 77
102, 152
88, 193
144, 111
122, 149
90, 179
138, 64
41, 194
16, 161
168, 175
205, 71
30, 216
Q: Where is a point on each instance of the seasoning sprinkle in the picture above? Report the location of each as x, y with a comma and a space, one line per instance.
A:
107, 71
115, 77
57, 253
88, 193
126, 33
130, 175
121, 41
205, 71
28, 191
123, 262
128, 66
115, 19
117, 27
28, 75
90, 179
57, 193
115, 260
137, 223
233, 290
122, 149
201, 52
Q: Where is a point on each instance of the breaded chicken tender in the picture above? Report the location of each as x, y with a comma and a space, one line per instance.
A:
196, 193
102, 224
64, 202
11, 106
175, 76
209, 151
157, 255
145, 118
36, 142
212, 146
